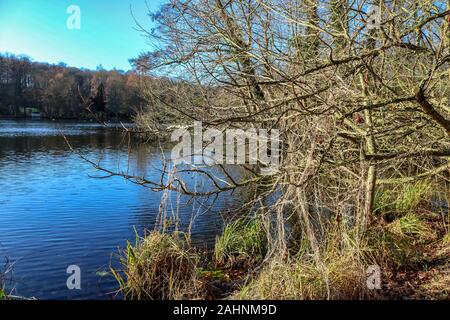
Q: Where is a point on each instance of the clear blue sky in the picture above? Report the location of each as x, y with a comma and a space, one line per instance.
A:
107, 35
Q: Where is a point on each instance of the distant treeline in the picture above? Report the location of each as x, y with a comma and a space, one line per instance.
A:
61, 92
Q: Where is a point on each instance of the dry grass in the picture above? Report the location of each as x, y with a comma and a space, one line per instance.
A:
299, 280
438, 285
340, 274
164, 266
160, 266
400, 243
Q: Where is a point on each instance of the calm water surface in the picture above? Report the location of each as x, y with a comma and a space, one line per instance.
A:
53, 213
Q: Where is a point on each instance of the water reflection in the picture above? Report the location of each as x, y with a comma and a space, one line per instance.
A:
52, 214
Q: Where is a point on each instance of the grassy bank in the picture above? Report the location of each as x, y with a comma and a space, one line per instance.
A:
408, 240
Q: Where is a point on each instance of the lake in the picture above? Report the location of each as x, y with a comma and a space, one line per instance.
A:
55, 211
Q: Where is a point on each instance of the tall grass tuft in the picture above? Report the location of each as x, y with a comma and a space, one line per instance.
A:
160, 266
243, 242
402, 199
401, 242
411, 226
412, 195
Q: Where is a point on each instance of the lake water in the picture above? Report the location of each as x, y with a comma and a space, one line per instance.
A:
54, 213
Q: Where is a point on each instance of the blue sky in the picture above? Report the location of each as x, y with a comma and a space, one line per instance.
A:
38, 28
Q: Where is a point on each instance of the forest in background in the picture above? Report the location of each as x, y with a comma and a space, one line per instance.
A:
62, 92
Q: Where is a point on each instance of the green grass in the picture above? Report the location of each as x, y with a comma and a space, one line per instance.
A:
446, 239
403, 198
412, 195
215, 274
411, 225
243, 242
